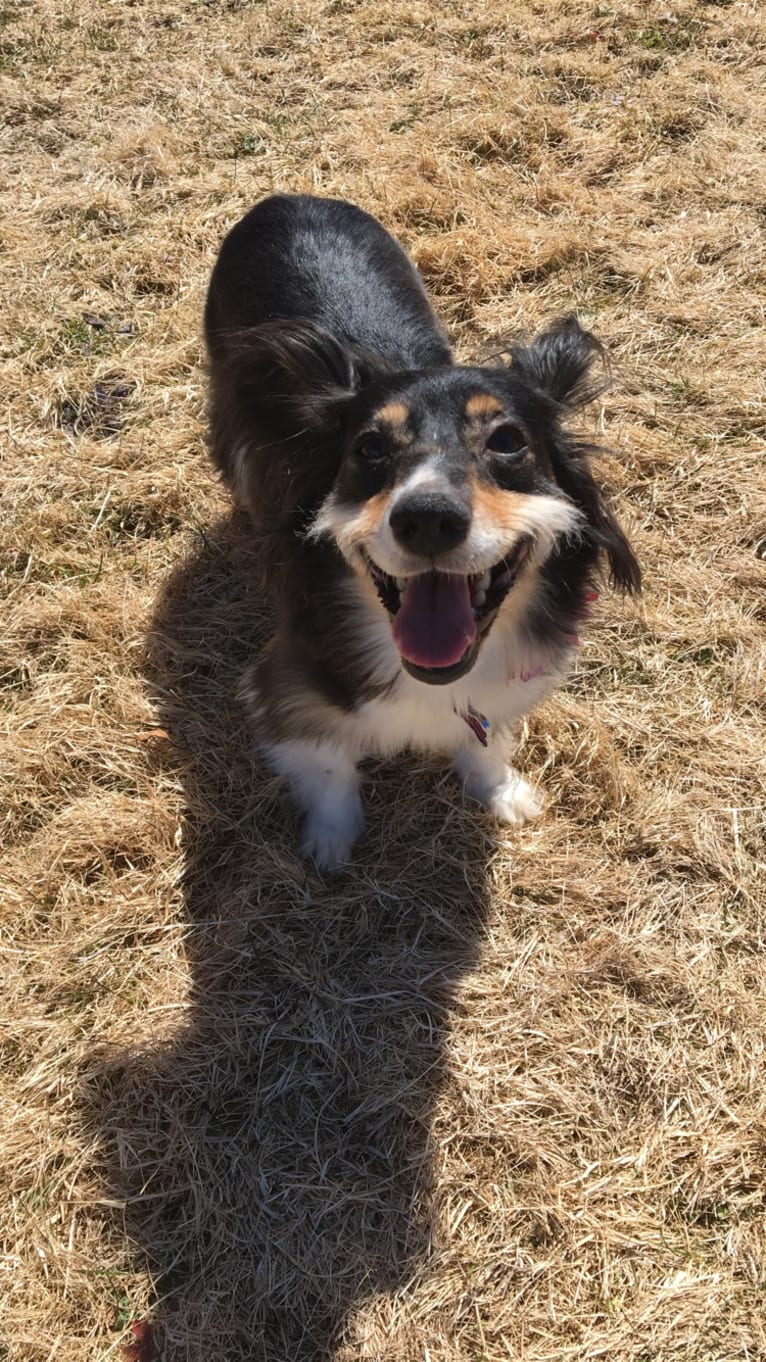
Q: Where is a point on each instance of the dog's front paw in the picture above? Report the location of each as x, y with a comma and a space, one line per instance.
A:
329, 835
514, 801
498, 787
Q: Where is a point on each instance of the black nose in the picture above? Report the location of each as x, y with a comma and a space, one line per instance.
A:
429, 523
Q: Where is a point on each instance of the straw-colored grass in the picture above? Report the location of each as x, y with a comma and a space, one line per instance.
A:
484, 1096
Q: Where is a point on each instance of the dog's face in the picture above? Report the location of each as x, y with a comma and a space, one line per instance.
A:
449, 492
446, 501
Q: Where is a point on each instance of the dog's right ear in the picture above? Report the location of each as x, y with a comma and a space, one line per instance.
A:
279, 393
298, 367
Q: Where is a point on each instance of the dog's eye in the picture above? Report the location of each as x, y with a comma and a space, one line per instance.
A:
371, 447
506, 440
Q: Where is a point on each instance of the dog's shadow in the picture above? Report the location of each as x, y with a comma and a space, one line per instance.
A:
274, 1156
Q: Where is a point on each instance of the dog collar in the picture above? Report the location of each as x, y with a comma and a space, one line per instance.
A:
478, 723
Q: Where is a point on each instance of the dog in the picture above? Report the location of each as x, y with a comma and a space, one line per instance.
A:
430, 533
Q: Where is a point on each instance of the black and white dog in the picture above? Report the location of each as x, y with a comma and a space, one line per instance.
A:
429, 532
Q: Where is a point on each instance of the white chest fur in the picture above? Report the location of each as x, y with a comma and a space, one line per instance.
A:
507, 681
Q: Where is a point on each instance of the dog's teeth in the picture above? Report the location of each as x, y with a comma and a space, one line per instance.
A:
479, 597
401, 582
483, 583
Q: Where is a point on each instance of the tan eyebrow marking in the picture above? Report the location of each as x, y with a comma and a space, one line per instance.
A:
482, 405
393, 414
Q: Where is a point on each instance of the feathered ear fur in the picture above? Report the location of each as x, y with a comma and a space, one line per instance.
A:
278, 394
560, 363
572, 469
295, 359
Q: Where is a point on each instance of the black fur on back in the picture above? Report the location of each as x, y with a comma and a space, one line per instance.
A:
295, 257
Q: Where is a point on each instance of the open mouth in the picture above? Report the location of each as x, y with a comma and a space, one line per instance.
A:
440, 618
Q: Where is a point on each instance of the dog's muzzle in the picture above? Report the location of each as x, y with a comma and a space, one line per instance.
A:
440, 618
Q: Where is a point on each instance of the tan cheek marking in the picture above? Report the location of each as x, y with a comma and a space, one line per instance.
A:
482, 406
367, 522
494, 509
394, 414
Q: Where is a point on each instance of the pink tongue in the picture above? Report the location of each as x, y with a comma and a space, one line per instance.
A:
435, 622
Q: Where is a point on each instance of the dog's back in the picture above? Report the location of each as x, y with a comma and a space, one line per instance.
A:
330, 263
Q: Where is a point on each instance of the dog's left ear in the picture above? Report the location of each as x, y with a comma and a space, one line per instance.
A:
569, 365
566, 362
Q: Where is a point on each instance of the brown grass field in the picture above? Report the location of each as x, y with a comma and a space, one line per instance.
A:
483, 1096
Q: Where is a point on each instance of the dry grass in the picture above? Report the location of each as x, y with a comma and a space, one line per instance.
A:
477, 1099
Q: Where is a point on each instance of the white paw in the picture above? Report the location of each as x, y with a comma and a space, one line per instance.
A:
329, 834
514, 802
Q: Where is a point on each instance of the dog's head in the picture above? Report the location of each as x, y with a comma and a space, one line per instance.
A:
444, 490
